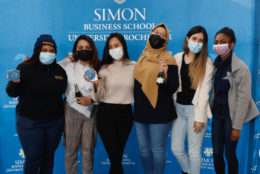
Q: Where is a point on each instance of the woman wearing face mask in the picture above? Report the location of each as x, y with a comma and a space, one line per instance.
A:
230, 100
192, 106
114, 91
154, 107
40, 112
80, 120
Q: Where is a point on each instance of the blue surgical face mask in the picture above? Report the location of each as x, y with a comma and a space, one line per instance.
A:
47, 58
195, 47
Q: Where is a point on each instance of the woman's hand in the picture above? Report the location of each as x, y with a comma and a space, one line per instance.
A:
71, 58
164, 67
26, 58
95, 83
198, 127
15, 81
84, 101
235, 135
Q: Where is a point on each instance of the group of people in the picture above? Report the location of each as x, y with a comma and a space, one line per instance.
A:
181, 104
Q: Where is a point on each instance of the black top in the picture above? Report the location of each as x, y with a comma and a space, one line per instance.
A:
40, 91
221, 80
186, 95
165, 110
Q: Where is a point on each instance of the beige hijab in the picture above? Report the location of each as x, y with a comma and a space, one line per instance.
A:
147, 67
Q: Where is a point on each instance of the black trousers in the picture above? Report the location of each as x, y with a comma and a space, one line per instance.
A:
114, 123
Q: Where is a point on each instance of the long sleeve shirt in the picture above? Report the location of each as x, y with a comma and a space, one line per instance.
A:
116, 84
40, 91
165, 110
75, 72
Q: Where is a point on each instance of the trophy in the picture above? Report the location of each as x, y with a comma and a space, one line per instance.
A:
91, 75
13, 74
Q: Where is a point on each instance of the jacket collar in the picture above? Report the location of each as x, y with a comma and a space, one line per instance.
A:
235, 63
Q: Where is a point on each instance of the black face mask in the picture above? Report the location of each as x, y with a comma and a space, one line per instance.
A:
84, 55
155, 41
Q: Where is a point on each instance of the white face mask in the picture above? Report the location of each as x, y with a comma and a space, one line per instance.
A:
116, 53
47, 58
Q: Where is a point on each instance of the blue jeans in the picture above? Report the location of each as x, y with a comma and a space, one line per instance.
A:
39, 140
182, 127
152, 140
221, 138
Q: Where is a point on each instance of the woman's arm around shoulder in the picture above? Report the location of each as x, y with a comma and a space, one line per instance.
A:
178, 58
66, 61
132, 62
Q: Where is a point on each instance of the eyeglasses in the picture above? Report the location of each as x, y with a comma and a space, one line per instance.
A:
162, 35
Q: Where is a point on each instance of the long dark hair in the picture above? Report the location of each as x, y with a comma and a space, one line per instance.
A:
107, 59
197, 67
94, 61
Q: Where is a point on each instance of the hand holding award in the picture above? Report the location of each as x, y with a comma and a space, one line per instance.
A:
91, 75
13, 75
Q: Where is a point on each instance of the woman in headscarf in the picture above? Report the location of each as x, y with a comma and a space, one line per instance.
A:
154, 106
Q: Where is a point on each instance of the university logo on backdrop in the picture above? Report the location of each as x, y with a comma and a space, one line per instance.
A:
21, 153
119, 1
17, 164
207, 158
208, 151
132, 22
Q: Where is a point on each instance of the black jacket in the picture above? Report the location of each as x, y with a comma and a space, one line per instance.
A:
165, 109
40, 91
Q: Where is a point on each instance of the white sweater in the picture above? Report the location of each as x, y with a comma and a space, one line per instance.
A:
116, 84
75, 72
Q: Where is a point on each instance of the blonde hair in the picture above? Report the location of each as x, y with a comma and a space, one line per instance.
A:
197, 67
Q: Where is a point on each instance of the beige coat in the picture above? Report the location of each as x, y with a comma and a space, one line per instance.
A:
202, 110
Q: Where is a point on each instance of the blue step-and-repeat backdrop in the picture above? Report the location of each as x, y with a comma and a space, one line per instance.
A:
22, 21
